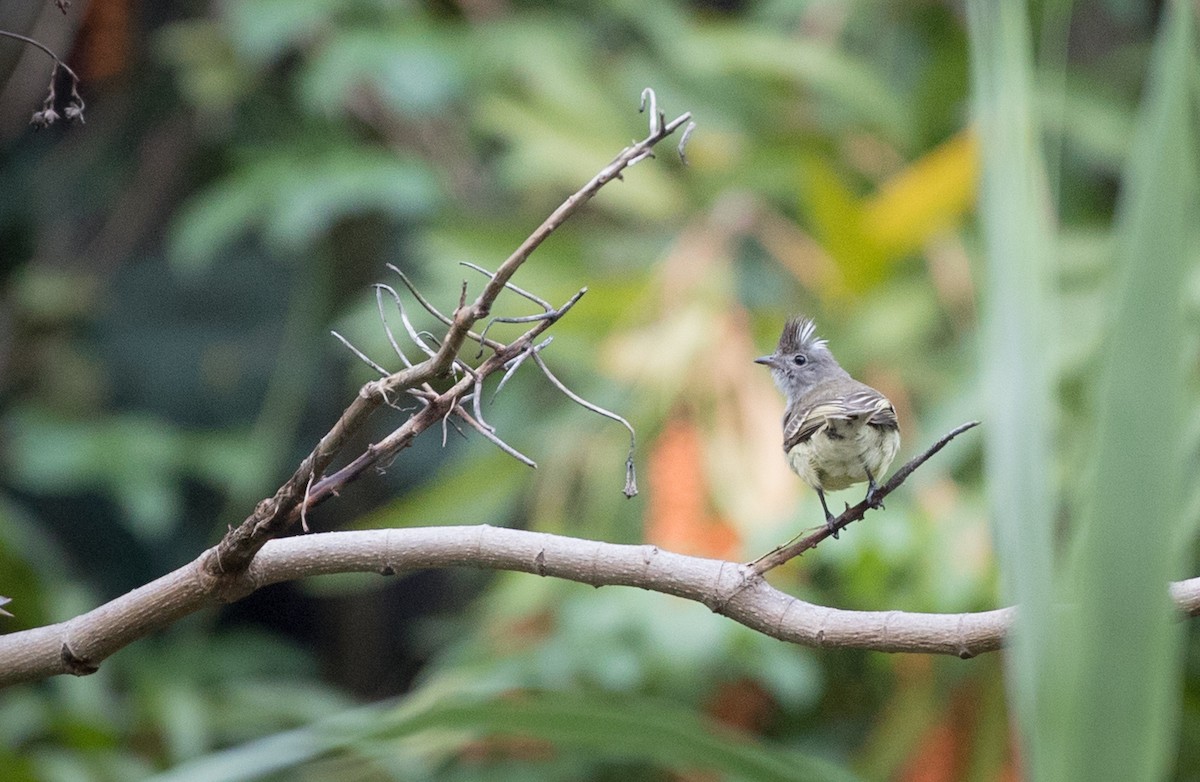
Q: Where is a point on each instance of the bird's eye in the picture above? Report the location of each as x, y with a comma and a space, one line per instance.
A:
800, 359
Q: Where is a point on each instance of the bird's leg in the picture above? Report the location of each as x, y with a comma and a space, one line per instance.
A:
872, 488
828, 516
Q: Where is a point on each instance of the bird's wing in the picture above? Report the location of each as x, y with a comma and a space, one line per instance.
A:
803, 421
867, 401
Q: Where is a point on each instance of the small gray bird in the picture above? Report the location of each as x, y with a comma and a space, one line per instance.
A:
836, 431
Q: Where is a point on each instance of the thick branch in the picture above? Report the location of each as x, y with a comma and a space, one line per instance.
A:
79, 646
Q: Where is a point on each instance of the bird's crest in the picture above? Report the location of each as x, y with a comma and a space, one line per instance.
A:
799, 334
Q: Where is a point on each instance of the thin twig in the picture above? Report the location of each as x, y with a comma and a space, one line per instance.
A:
519, 291
630, 477
57, 60
387, 328
512, 366
477, 401
777, 557
490, 434
47, 116
683, 140
304, 503
362, 356
518, 319
434, 311
656, 117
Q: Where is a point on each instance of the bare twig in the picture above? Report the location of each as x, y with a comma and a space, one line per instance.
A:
73, 111
415, 335
490, 433
304, 503
518, 319
630, 476
657, 118
683, 140
432, 310
519, 291
275, 514
787, 551
387, 328
512, 366
437, 407
361, 356
477, 402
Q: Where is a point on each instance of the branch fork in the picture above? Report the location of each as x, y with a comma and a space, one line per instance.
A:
302, 491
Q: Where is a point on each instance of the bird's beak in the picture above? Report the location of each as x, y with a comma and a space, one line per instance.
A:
765, 361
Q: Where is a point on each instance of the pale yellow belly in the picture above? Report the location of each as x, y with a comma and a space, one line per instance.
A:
838, 462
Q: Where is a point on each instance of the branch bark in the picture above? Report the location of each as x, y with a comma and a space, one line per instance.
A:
734, 590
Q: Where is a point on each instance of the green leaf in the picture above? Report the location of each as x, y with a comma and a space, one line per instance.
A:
1122, 630
294, 196
851, 84
1017, 339
615, 727
413, 71
262, 30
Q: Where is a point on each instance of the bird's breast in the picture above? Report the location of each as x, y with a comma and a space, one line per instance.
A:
839, 454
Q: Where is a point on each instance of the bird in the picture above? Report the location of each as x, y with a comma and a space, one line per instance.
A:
837, 432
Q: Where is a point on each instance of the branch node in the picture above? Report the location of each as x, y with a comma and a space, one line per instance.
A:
75, 665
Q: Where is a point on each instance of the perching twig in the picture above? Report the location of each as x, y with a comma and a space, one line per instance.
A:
787, 551
80, 645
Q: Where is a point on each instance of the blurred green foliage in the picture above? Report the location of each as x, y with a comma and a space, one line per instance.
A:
169, 273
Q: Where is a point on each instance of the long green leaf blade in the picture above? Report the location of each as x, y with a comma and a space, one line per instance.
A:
1128, 541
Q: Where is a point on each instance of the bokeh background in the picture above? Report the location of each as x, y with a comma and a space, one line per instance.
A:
170, 272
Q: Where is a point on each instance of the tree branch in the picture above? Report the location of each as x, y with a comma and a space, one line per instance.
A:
276, 514
79, 645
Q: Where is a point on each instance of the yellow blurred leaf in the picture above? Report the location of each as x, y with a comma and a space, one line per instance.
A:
866, 236
837, 215
924, 199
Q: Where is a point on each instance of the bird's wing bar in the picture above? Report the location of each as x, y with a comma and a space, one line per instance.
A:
867, 401
801, 424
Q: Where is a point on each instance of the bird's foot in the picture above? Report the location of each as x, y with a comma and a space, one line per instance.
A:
833, 530
873, 499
